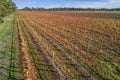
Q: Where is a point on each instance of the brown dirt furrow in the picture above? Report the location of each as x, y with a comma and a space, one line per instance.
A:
28, 69
47, 56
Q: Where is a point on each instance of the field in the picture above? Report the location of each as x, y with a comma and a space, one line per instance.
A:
65, 45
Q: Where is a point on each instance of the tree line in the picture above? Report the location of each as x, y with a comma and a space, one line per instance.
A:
73, 9
6, 7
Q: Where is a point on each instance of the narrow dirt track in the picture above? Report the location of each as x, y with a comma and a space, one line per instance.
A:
27, 66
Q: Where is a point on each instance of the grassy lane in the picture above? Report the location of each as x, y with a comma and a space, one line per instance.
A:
5, 45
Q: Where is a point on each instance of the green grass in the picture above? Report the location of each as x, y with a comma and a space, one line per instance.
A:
5, 45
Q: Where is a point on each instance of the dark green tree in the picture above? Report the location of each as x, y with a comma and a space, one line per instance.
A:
6, 7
